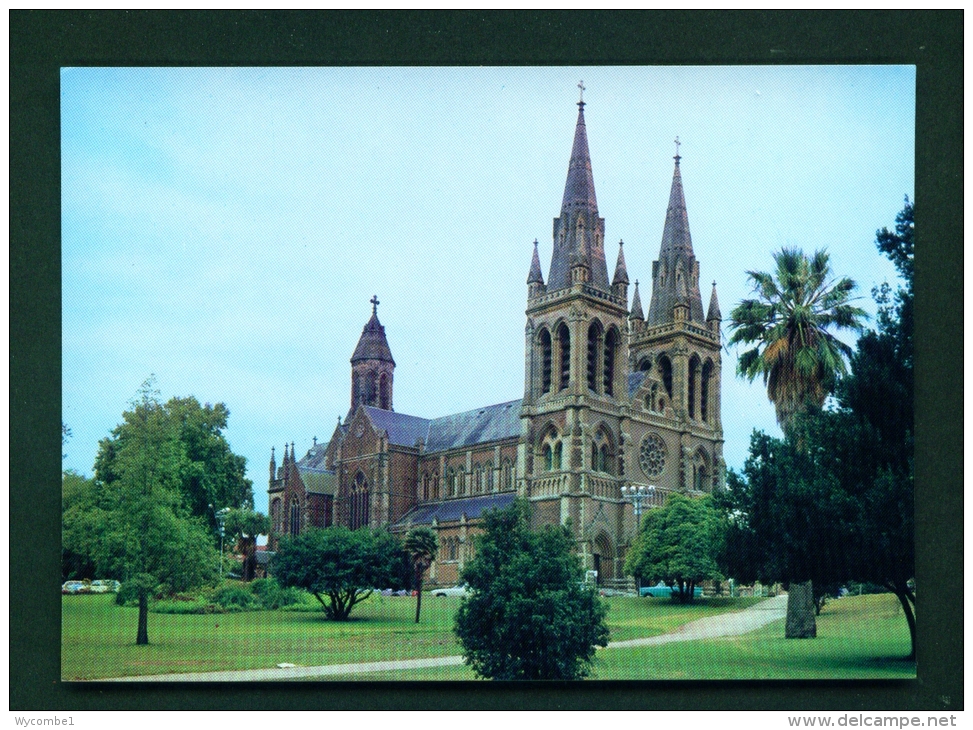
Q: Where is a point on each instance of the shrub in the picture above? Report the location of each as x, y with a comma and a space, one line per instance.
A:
183, 606
234, 598
271, 596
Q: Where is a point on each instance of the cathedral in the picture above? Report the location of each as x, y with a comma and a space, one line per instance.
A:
613, 397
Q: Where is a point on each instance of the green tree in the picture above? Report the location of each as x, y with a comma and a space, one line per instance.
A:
528, 615
677, 544
422, 545
210, 473
79, 497
144, 533
341, 567
243, 526
789, 327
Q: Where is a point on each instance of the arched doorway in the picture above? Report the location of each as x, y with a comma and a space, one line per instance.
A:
604, 558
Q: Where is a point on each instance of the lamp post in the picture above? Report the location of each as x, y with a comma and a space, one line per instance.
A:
220, 518
635, 495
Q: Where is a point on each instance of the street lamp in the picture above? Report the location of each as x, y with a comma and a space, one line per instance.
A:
635, 495
220, 518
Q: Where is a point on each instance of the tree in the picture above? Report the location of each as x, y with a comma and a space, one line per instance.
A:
798, 357
143, 532
341, 567
421, 544
210, 473
244, 525
79, 495
528, 615
677, 545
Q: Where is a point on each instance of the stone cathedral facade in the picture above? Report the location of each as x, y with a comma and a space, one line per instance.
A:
613, 396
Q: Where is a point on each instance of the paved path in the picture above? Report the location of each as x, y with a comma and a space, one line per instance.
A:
725, 624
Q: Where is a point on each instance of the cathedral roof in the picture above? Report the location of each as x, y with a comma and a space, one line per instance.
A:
372, 344
482, 425
452, 510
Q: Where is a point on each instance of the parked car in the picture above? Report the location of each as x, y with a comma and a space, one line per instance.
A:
105, 586
663, 591
74, 586
460, 589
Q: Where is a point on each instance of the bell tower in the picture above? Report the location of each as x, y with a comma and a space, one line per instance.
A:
372, 367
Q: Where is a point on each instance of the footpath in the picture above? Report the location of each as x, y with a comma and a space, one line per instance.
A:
712, 627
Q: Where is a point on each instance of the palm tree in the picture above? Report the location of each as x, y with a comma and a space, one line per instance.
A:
421, 544
799, 358
788, 324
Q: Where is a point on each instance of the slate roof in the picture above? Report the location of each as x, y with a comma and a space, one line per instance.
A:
319, 481
492, 423
403, 430
372, 344
481, 425
451, 510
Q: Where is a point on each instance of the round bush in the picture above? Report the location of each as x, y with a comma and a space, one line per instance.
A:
235, 598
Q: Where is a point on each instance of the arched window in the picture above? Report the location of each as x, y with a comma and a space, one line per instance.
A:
551, 449
371, 387
275, 515
611, 344
665, 367
451, 483
359, 502
294, 528
704, 391
594, 343
547, 453
384, 394
546, 359
693, 384
506, 476
601, 452
564, 340
435, 485
478, 479
557, 462
645, 365
490, 485
425, 486
700, 472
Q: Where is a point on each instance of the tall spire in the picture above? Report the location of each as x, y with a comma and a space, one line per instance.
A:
636, 312
714, 306
675, 275
579, 231
621, 272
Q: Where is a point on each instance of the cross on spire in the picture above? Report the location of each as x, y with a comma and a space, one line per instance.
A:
581, 100
375, 303
677, 158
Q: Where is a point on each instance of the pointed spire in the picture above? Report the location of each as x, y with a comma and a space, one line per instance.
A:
535, 276
636, 312
372, 344
675, 256
714, 307
621, 272
579, 190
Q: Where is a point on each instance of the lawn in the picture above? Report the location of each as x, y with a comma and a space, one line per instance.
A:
98, 640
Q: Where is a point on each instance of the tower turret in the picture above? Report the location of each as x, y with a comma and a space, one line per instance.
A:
620, 280
535, 279
372, 366
713, 316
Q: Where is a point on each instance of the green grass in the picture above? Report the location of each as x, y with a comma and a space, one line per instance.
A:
858, 638
862, 637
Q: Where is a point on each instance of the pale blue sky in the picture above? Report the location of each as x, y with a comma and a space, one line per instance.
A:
225, 228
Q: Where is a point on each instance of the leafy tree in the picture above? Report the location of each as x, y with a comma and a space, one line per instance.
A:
341, 567
143, 532
677, 544
209, 474
244, 525
421, 545
528, 615
79, 495
789, 326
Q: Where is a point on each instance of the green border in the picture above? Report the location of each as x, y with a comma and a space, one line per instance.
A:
41, 42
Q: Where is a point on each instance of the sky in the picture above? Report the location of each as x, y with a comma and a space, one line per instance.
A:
225, 228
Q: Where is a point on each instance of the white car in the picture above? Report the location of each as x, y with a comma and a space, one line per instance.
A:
105, 586
460, 589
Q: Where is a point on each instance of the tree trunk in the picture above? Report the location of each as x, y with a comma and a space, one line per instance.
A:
800, 612
904, 598
418, 592
249, 549
142, 637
